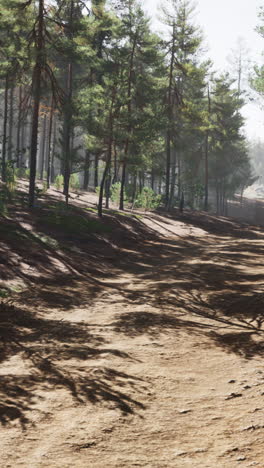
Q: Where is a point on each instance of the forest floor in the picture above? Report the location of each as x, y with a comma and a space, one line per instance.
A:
132, 342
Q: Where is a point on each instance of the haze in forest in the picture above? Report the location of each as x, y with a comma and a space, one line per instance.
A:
224, 24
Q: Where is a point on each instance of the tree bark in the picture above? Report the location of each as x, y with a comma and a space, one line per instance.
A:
86, 171
18, 136
5, 129
168, 136
11, 122
36, 83
49, 142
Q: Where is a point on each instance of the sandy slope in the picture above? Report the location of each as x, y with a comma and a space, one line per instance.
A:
160, 363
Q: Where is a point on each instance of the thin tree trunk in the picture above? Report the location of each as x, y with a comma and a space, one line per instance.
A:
115, 178
11, 122
52, 173
129, 109
107, 188
36, 83
108, 158
5, 130
18, 136
68, 121
86, 171
168, 136
42, 149
49, 142
206, 181
122, 189
134, 193
96, 160
173, 180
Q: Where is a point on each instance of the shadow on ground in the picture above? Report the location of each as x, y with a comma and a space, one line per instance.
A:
57, 354
211, 286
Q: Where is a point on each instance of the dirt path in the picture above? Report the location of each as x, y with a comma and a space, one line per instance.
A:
164, 367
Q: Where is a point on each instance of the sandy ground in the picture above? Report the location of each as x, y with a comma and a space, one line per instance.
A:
157, 364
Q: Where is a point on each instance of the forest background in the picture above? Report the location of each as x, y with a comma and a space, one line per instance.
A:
93, 98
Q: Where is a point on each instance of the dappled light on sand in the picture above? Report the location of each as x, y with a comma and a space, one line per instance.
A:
136, 345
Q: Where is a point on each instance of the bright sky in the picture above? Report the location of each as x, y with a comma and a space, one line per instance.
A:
223, 23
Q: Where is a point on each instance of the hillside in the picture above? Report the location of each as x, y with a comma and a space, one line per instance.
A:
132, 341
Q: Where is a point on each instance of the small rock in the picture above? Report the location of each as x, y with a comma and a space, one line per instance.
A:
241, 458
232, 381
233, 395
246, 387
181, 453
185, 411
250, 428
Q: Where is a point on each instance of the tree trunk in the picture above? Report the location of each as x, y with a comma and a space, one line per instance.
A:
42, 149
18, 136
107, 188
68, 120
129, 109
11, 122
52, 173
206, 180
122, 189
168, 136
86, 171
36, 83
96, 160
5, 130
102, 184
49, 142
173, 180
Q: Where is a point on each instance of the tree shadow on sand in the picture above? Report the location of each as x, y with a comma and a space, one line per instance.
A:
47, 349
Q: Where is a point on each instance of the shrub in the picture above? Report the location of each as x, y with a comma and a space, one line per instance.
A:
148, 199
44, 186
59, 181
115, 192
74, 182
10, 178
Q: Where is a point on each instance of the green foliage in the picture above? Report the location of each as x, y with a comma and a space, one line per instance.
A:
59, 181
148, 199
4, 293
74, 182
11, 180
44, 186
115, 192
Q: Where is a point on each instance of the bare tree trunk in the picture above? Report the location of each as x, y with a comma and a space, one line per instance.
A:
168, 136
122, 190
206, 180
173, 179
129, 109
42, 149
96, 159
11, 122
49, 142
86, 171
68, 121
5, 129
18, 136
52, 173
36, 83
